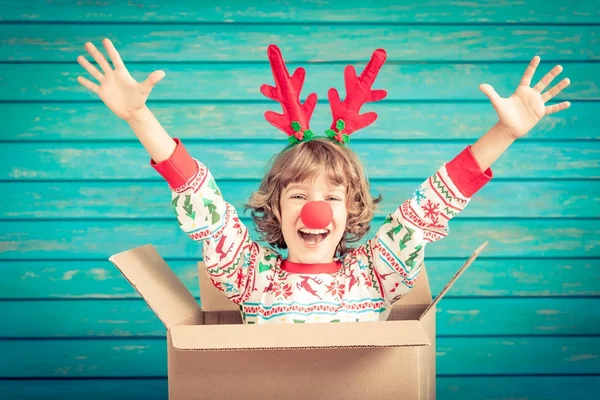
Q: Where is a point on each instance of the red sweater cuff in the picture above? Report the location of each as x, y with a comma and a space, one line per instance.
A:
177, 169
466, 174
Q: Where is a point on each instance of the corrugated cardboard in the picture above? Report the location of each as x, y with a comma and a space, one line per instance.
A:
212, 355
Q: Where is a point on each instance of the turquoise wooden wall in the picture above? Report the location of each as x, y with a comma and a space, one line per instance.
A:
524, 321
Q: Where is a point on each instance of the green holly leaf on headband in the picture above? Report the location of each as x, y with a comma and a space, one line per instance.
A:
346, 138
340, 125
292, 139
296, 126
330, 133
308, 134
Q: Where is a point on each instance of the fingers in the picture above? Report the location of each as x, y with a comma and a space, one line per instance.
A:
530, 70
90, 68
557, 107
152, 79
95, 53
489, 91
88, 84
556, 89
545, 81
113, 54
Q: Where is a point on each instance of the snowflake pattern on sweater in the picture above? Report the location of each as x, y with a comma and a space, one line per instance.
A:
371, 277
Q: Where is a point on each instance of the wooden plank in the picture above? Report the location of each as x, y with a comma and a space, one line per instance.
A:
482, 11
99, 239
248, 160
516, 316
526, 355
448, 388
311, 43
517, 387
137, 357
445, 121
76, 200
464, 317
227, 81
99, 279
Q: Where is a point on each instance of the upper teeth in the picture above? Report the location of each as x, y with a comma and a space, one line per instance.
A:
314, 231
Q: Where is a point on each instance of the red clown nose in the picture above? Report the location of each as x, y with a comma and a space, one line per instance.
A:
316, 214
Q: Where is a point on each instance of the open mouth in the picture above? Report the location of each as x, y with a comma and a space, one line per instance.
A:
313, 236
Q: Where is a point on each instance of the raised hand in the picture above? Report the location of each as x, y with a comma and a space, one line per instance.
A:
122, 94
520, 112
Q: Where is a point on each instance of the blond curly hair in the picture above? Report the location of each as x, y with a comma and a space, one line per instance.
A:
305, 161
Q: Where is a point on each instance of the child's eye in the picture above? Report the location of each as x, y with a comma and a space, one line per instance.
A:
333, 198
298, 196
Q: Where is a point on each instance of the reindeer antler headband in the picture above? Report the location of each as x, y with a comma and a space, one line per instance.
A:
295, 119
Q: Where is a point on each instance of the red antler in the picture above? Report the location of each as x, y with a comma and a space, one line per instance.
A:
358, 92
296, 116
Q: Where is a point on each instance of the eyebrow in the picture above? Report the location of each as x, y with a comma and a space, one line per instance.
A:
301, 186
295, 186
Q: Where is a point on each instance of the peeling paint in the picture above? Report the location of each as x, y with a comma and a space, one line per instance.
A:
20, 173
99, 274
65, 371
548, 312
129, 348
67, 275
471, 313
113, 322
580, 357
29, 275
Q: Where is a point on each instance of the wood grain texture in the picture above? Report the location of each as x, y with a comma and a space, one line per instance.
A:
464, 317
522, 323
114, 199
232, 81
267, 11
448, 388
303, 43
99, 279
245, 121
249, 160
137, 357
100, 239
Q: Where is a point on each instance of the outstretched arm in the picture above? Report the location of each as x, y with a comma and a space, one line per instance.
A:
519, 113
398, 248
126, 98
197, 202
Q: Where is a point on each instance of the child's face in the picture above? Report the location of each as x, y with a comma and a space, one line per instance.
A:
312, 249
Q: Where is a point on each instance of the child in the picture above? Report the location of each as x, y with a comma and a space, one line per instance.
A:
315, 199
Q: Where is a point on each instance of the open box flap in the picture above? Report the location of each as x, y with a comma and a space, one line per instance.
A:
454, 278
420, 294
150, 275
211, 298
299, 336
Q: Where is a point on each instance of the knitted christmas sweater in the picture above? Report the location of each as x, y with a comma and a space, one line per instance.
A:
360, 286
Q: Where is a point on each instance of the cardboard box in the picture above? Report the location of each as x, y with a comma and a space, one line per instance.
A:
212, 355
